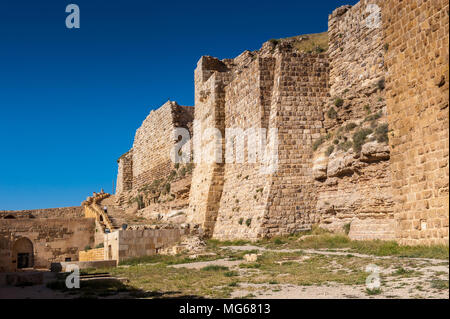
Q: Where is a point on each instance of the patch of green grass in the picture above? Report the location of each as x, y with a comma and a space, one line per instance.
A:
278, 241
214, 268
439, 284
347, 228
250, 265
406, 273
316, 42
166, 259
231, 274
324, 239
374, 291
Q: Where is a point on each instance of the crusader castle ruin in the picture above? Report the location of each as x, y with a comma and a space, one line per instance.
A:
362, 140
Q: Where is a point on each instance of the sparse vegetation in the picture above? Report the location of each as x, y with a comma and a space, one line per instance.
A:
329, 150
359, 138
374, 291
332, 114
338, 102
317, 143
350, 127
248, 222
381, 133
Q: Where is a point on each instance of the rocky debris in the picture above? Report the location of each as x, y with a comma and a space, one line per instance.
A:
251, 257
374, 152
191, 244
320, 167
340, 164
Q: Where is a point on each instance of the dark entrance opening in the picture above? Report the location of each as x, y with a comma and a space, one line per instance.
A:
22, 254
23, 260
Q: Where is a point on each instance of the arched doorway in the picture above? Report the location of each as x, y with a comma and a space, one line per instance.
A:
23, 253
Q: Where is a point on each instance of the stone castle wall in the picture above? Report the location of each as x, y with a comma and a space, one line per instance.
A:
154, 142
125, 173
417, 39
354, 187
257, 91
62, 212
53, 239
362, 132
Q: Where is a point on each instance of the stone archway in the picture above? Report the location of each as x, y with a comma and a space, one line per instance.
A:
22, 253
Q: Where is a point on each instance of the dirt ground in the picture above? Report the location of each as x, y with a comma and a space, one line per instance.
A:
273, 271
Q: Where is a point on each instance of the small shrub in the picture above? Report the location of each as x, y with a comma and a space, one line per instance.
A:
214, 268
386, 46
336, 142
345, 146
347, 228
332, 114
241, 220
248, 222
381, 133
278, 241
373, 117
338, 102
99, 245
381, 84
231, 274
167, 188
172, 175
439, 284
350, 127
374, 291
319, 49
359, 138
317, 143
177, 165
87, 248
367, 109
329, 150
182, 172
274, 42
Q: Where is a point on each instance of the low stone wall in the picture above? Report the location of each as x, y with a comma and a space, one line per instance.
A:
92, 255
126, 244
49, 240
67, 266
62, 212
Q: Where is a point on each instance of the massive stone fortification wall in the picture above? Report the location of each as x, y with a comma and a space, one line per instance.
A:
361, 132
125, 173
351, 165
52, 240
154, 142
417, 40
275, 88
144, 171
211, 76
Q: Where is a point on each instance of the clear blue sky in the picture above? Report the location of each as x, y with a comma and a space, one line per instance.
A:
71, 100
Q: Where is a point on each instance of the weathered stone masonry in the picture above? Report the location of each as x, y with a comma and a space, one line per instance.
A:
417, 40
387, 82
